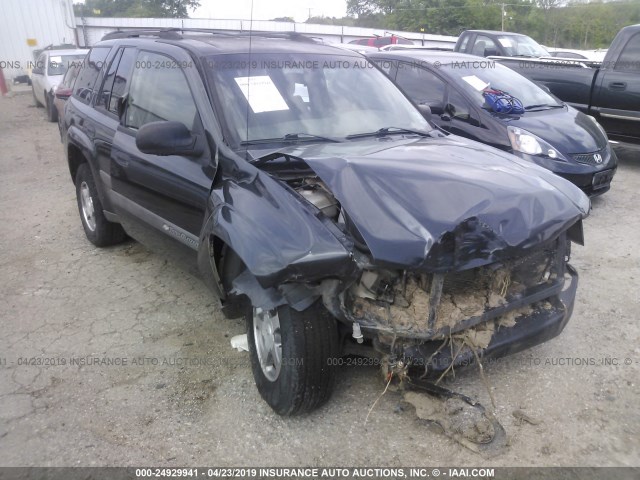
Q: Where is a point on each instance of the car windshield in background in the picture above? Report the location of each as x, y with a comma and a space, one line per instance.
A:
318, 95
499, 77
58, 64
522, 46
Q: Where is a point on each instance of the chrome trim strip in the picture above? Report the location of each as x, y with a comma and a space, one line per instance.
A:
155, 220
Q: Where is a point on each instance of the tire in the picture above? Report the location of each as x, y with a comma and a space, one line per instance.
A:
35, 99
99, 231
52, 111
309, 346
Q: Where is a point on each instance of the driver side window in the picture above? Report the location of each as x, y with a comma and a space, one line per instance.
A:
422, 86
159, 91
460, 109
484, 46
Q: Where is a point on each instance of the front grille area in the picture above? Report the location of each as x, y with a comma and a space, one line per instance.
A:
437, 305
590, 158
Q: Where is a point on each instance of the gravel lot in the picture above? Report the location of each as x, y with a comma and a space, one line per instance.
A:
185, 397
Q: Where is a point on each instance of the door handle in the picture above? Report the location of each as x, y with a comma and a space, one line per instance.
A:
618, 85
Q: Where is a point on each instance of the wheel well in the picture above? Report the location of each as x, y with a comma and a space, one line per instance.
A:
228, 262
75, 159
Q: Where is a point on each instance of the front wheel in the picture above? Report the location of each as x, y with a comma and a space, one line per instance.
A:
293, 356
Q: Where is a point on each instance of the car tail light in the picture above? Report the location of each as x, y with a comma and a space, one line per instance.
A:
63, 92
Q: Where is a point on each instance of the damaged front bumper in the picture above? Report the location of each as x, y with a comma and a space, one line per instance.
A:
540, 325
436, 322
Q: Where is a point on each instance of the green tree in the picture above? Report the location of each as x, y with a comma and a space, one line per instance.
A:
136, 8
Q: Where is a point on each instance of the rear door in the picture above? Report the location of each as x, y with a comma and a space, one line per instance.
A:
37, 77
161, 197
617, 93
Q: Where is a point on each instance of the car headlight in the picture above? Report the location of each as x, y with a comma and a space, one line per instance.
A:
526, 142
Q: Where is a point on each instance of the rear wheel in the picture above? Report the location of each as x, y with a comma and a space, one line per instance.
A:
98, 229
293, 356
35, 99
52, 111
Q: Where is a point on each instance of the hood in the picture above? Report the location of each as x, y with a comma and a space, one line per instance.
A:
443, 203
566, 129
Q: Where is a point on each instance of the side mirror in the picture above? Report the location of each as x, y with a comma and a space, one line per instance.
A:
168, 138
436, 109
122, 105
37, 71
491, 52
425, 110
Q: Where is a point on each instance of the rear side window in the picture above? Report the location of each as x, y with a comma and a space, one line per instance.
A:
159, 91
629, 60
116, 79
88, 75
382, 41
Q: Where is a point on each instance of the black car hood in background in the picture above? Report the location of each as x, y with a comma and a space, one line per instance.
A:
566, 129
442, 203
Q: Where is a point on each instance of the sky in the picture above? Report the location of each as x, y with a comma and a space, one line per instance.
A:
269, 9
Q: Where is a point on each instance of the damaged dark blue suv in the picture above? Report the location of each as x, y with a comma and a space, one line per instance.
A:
318, 202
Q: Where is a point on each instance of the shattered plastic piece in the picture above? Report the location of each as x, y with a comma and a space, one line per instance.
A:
240, 343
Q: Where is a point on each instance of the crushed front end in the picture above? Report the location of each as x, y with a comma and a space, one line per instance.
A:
433, 322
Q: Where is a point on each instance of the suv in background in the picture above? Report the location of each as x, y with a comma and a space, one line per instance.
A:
488, 43
49, 69
317, 201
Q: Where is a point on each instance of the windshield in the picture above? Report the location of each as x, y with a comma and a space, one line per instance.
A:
522, 45
499, 77
58, 64
321, 95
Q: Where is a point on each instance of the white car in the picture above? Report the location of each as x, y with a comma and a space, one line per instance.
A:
588, 55
48, 72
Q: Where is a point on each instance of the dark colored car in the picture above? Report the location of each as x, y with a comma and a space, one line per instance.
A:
487, 43
64, 90
609, 91
548, 132
316, 201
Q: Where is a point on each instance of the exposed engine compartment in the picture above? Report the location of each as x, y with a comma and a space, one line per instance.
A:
316, 193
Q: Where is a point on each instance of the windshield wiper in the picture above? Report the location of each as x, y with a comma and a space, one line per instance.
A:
542, 105
291, 137
388, 131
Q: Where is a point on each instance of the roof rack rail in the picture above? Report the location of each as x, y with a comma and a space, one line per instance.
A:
174, 34
142, 32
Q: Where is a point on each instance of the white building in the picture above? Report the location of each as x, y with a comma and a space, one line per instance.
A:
28, 25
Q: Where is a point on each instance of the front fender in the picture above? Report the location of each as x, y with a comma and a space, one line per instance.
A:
277, 235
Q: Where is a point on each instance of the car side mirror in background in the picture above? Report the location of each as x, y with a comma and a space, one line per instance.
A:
37, 71
168, 138
491, 52
122, 105
436, 109
425, 110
